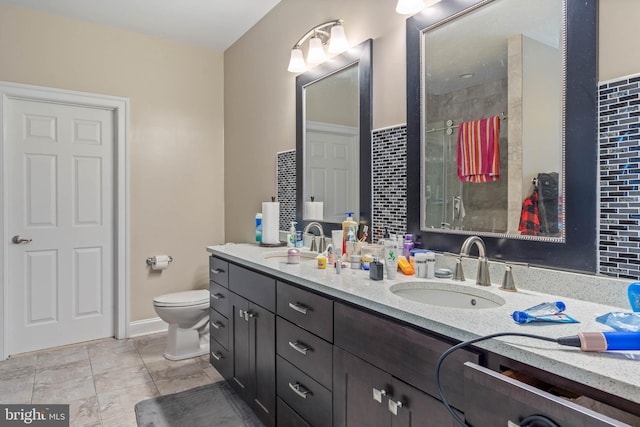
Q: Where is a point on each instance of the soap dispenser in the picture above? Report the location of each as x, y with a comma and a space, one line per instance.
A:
292, 236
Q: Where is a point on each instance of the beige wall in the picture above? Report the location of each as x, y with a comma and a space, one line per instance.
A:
260, 96
175, 134
260, 93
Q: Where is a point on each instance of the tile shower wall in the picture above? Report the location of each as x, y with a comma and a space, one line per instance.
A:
619, 165
286, 176
389, 180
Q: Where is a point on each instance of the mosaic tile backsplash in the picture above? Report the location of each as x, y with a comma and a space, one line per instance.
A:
286, 176
389, 176
619, 166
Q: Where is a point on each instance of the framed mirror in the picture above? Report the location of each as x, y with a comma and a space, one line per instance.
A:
333, 139
501, 128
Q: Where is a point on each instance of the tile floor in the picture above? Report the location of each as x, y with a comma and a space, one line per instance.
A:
101, 380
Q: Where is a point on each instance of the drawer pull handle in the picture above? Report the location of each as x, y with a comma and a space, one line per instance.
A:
300, 390
394, 405
299, 307
217, 296
300, 348
217, 355
379, 394
217, 270
217, 325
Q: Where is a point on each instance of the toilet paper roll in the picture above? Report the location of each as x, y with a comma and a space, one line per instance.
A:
270, 222
160, 262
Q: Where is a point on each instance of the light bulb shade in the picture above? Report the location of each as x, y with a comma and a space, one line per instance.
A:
316, 51
409, 7
338, 42
296, 62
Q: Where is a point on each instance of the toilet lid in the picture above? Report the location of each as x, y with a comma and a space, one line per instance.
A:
183, 299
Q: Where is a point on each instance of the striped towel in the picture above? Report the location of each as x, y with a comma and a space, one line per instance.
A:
477, 152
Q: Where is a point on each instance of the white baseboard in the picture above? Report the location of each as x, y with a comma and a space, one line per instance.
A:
147, 326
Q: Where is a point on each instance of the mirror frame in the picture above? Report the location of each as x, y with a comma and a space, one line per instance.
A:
362, 55
578, 251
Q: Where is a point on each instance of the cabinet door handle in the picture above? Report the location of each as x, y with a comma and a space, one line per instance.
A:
217, 355
217, 270
248, 315
300, 348
394, 405
299, 307
217, 325
217, 296
379, 394
300, 390
241, 313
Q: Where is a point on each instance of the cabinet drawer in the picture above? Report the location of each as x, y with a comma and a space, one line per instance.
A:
494, 399
308, 310
253, 286
220, 359
219, 328
219, 271
219, 297
306, 396
306, 351
287, 417
406, 353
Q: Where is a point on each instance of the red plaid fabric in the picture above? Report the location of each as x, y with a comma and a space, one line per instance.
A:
529, 219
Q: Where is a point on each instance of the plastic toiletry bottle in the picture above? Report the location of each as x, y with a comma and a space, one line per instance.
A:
259, 227
376, 270
348, 224
407, 246
292, 237
391, 257
421, 264
431, 265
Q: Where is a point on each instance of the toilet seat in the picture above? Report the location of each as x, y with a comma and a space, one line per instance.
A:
182, 299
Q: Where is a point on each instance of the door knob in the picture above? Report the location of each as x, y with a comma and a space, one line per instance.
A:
17, 239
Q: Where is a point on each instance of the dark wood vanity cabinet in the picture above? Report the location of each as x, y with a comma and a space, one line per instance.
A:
365, 395
303, 359
243, 329
383, 373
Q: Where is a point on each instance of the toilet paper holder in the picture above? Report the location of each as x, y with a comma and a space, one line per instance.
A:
151, 260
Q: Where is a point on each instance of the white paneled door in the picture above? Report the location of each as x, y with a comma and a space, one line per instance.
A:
60, 191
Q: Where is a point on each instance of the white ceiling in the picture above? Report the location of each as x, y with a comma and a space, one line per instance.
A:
214, 24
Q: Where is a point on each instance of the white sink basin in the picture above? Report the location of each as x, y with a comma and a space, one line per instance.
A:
282, 255
446, 294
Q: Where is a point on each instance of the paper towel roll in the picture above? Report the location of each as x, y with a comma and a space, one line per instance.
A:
270, 222
160, 262
314, 210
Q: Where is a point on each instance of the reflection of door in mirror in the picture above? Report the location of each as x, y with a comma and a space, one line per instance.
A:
331, 141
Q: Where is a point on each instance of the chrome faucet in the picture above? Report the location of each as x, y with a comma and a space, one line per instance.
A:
321, 247
482, 277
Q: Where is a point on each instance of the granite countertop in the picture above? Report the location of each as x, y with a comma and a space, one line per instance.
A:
615, 373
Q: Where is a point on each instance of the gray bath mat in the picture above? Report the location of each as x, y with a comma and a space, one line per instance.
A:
206, 406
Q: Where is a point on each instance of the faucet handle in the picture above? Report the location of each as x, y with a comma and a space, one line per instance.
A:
507, 282
313, 247
458, 273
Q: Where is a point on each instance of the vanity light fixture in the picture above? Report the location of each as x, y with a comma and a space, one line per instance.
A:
411, 7
331, 32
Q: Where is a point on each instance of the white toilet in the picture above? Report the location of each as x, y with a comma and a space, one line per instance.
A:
187, 314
